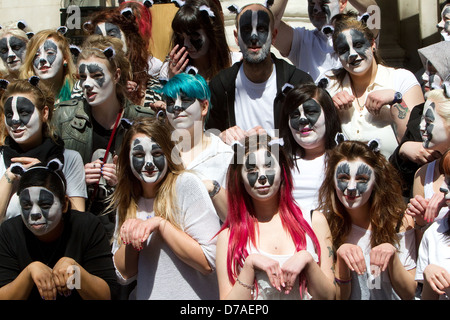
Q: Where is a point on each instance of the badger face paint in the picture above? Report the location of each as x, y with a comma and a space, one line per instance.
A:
261, 174
196, 43
12, 52
435, 133
431, 79
148, 162
48, 60
354, 50
444, 24
307, 124
41, 210
254, 35
354, 182
322, 11
21, 118
183, 111
96, 80
112, 30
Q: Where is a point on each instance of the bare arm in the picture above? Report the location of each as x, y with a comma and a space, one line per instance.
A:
284, 41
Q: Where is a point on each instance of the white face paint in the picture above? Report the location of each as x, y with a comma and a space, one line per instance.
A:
148, 162
22, 118
431, 79
96, 80
355, 51
196, 43
322, 11
434, 131
354, 183
183, 112
444, 24
49, 60
445, 188
261, 174
307, 124
109, 29
12, 52
41, 210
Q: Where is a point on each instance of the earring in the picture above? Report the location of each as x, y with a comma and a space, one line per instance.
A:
65, 64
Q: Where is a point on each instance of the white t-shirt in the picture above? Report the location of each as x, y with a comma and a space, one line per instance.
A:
213, 162
362, 125
307, 180
162, 275
73, 171
312, 51
368, 286
434, 249
428, 188
253, 104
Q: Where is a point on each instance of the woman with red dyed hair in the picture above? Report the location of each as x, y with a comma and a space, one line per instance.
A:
266, 248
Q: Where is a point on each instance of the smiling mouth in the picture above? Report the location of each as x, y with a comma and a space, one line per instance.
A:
356, 63
306, 131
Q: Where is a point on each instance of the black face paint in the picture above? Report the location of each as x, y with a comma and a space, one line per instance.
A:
363, 173
93, 69
45, 202
173, 106
139, 159
253, 171
359, 44
111, 30
15, 46
25, 109
429, 126
254, 27
312, 111
196, 40
50, 50
342, 170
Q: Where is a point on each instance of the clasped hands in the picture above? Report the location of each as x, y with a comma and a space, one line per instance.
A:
135, 232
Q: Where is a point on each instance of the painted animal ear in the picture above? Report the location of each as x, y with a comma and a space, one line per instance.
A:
191, 70
17, 169
127, 13
374, 145
34, 80
75, 50
21, 24
339, 138
148, 3
234, 9
62, 29
109, 52
4, 84
178, 3
55, 165
30, 35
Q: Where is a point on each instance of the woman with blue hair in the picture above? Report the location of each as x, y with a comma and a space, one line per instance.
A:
187, 99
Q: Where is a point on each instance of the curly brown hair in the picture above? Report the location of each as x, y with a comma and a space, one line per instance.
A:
386, 202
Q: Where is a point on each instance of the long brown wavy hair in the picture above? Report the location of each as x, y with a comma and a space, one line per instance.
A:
386, 202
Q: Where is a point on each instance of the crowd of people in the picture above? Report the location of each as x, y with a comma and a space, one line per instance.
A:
223, 174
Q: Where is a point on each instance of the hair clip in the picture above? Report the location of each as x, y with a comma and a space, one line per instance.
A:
339, 138
4, 84
21, 24
269, 3
205, 8
127, 13
75, 50
148, 3
63, 30
191, 70
178, 3
109, 52
234, 9
374, 145
34, 80
279, 141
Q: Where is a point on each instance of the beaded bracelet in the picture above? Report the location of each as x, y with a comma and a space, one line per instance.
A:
246, 286
339, 281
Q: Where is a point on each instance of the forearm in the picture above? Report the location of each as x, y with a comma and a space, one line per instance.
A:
241, 290
362, 5
402, 280
93, 287
19, 289
7, 186
221, 204
320, 286
126, 261
185, 247
400, 115
278, 8
343, 282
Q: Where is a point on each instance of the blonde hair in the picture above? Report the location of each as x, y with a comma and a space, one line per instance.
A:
27, 69
442, 104
94, 45
128, 190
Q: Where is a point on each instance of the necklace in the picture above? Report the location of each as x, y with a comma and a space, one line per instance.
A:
357, 99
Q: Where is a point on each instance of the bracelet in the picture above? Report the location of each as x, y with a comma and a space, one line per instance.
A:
339, 281
246, 286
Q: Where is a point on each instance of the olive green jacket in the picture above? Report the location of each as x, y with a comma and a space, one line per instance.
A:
72, 122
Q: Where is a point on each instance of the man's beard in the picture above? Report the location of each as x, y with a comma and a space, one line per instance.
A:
255, 58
